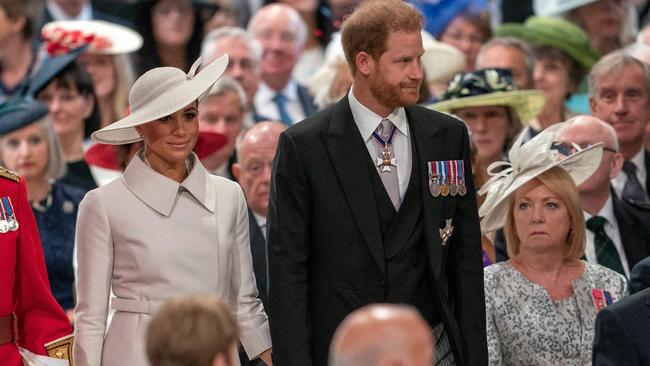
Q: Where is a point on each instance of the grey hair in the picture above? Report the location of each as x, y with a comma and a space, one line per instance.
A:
56, 166
300, 26
226, 84
614, 63
511, 42
208, 47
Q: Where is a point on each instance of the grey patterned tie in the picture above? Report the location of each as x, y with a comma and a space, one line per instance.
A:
387, 171
633, 190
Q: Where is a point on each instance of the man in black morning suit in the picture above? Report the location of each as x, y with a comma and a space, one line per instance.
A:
337, 239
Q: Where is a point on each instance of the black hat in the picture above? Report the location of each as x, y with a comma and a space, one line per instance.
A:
49, 69
17, 113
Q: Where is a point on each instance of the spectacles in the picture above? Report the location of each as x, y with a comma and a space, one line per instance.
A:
567, 149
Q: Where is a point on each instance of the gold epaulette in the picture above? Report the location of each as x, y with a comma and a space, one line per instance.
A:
61, 348
9, 174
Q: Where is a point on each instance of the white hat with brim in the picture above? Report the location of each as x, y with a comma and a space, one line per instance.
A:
105, 37
158, 93
550, 8
525, 103
440, 61
527, 162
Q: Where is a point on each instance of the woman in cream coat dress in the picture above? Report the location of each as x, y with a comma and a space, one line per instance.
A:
167, 228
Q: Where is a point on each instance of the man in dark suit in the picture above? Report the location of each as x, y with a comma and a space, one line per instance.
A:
352, 220
622, 331
625, 227
282, 34
255, 153
619, 94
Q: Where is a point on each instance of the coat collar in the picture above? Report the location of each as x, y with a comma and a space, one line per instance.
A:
159, 192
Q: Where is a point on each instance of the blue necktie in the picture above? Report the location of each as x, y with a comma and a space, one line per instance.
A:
281, 101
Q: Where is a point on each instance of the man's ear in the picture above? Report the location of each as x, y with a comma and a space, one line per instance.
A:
236, 171
617, 165
365, 63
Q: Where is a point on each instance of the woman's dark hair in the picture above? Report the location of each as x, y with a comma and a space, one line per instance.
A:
574, 70
16, 9
75, 78
147, 57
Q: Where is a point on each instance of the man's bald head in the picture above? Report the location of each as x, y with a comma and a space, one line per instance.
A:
382, 334
255, 154
585, 131
588, 130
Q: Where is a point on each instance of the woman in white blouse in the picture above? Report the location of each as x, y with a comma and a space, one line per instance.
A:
167, 228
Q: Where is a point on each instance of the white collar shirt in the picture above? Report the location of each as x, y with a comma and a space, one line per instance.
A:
612, 230
367, 122
266, 107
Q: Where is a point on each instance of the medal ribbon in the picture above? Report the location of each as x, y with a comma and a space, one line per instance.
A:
390, 137
461, 170
4, 215
7, 205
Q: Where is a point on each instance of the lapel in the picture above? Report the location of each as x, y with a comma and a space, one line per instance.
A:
429, 142
258, 255
631, 237
350, 159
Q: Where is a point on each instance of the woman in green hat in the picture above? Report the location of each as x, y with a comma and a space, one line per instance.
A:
563, 56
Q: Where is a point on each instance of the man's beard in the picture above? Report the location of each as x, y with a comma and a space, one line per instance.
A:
390, 95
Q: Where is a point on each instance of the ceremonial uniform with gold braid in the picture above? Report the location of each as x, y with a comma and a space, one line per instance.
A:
29, 315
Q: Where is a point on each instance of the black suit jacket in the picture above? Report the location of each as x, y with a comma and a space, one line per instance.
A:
622, 332
326, 256
633, 226
259, 255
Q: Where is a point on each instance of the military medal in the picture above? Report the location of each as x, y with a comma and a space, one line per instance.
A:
11, 217
462, 189
4, 224
445, 233
444, 186
385, 161
434, 187
453, 172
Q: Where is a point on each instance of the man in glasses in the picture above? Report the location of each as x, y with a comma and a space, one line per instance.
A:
618, 236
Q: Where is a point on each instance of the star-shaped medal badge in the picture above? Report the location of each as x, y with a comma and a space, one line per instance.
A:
385, 161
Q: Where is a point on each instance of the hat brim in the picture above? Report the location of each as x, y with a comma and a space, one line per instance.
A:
440, 60
49, 69
121, 39
580, 166
172, 100
558, 7
547, 36
525, 103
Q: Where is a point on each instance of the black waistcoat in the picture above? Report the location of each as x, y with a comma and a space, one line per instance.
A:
408, 276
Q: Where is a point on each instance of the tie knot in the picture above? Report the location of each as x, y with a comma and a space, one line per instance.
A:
384, 127
596, 224
280, 99
629, 168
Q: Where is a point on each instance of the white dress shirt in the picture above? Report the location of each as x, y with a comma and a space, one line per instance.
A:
58, 13
266, 107
367, 121
618, 183
611, 229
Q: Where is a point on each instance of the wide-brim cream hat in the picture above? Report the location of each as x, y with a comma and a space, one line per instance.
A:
440, 61
528, 161
158, 93
102, 37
